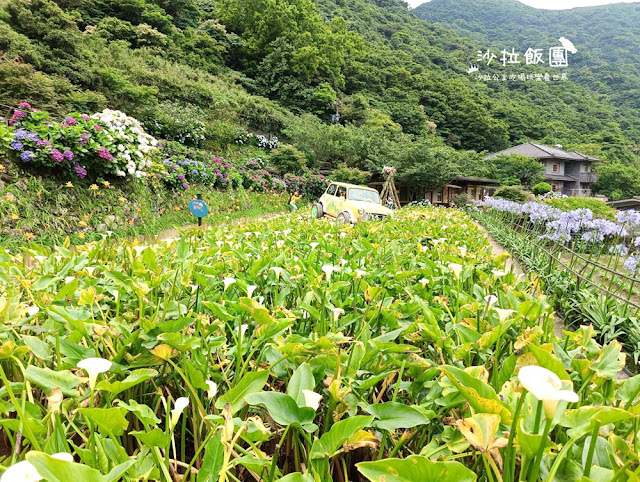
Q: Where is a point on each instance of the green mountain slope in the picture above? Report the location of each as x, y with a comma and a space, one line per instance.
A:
399, 83
607, 37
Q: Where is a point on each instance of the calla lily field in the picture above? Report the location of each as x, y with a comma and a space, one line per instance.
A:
302, 350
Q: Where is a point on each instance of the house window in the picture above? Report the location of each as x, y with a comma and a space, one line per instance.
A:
554, 187
439, 196
555, 167
586, 168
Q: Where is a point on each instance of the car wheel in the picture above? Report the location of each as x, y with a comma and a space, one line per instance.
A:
320, 210
314, 211
342, 218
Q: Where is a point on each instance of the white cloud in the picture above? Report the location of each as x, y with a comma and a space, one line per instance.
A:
551, 4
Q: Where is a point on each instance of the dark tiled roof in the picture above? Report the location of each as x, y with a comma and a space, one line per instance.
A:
540, 151
476, 179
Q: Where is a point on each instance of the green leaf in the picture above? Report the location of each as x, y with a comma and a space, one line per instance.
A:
257, 311
394, 415
413, 469
48, 379
213, 459
116, 473
55, 470
297, 477
629, 390
610, 361
252, 382
155, 438
38, 347
582, 420
111, 421
143, 412
284, 409
134, 378
480, 396
550, 362
338, 434
302, 379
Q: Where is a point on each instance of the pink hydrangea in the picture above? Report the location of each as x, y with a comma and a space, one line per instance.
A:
42, 143
97, 127
56, 155
85, 117
71, 121
105, 154
24, 105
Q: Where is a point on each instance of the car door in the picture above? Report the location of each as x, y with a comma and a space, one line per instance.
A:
330, 200
341, 199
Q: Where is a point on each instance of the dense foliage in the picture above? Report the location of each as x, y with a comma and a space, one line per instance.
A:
213, 74
605, 65
291, 351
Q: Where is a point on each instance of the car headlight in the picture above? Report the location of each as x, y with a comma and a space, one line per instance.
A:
361, 211
366, 217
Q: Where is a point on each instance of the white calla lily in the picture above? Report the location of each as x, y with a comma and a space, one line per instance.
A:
456, 269
360, 273
213, 389
491, 300
498, 273
547, 387
424, 282
25, 470
251, 289
33, 310
179, 406
311, 399
314, 245
94, 366
228, 282
329, 269
277, 270
503, 314
336, 313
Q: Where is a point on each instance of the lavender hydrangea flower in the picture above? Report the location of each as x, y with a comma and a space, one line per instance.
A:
80, 171
26, 156
68, 155
17, 146
20, 134
185, 185
56, 155
32, 136
181, 177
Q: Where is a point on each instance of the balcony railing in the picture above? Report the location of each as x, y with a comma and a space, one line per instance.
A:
588, 177
581, 193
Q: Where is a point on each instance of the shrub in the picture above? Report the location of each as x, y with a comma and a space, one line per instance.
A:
511, 193
541, 188
309, 185
461, 200
288, 159
257, 140
177, 122
597, 206
108, 143
511, 181
351, 175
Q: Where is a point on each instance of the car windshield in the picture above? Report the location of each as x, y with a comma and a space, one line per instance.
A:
364, 195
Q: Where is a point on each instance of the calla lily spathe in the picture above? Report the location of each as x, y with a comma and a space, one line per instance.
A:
251, 289
94, 366
547, 387
25, 471
213, 389
179, 406
228, 282
456, 269
491, 300
311, 399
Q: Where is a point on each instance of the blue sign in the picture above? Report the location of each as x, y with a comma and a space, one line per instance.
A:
198, 208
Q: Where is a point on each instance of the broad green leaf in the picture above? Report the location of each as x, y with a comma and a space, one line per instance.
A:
337, 435
550, 362
252, 382
134, 378
284, 409
413, 469
480, 395
48, 379
155, 438
302, 379
257, 311
610, 361
54, 470
118, 471
629, 390
143, 412
582, 420
38, 347
394, 415
111, 421
213, 459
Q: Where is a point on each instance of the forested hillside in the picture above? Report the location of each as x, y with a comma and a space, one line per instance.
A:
607, 62
283, 68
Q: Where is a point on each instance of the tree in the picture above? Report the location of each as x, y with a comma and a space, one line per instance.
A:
527, 170
428, 166
618, 180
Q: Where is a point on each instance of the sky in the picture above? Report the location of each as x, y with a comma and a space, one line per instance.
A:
552, 4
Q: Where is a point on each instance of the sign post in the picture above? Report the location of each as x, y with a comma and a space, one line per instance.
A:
198, 208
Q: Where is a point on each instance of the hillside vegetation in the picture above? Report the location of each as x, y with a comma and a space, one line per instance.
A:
282, 69
607, 64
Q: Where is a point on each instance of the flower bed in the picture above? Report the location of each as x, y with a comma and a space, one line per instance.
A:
297, 351
108, 143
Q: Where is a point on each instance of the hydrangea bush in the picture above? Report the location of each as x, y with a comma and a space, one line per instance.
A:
108, 143
251, 139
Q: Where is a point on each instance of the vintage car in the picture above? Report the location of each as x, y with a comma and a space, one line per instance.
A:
348, 203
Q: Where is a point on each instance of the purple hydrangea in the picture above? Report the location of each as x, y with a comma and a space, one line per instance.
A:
83, 139
195, 171
20, 134
80, 171
167, 162
43, 143
174, 167
32, 136
71, 121
85, 117
105, 154
17, 146
56, 155
181, 177
18, 114
26, 156
185, 185
68, 155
